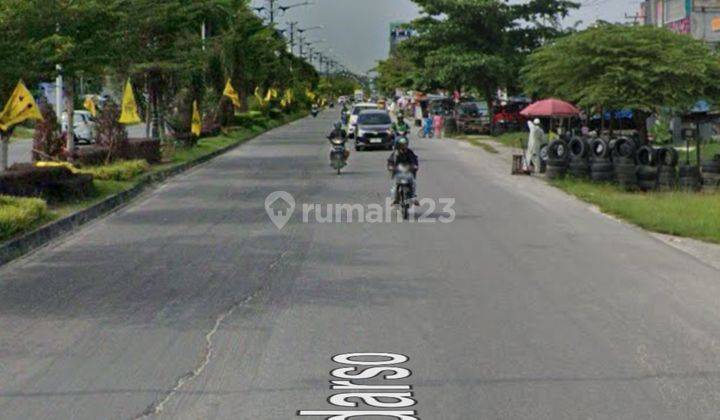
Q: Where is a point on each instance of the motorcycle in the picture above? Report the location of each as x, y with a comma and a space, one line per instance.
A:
404, 180
338, 154
314, 111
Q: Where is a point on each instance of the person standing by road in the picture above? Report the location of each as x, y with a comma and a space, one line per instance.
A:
438, 125
535, 142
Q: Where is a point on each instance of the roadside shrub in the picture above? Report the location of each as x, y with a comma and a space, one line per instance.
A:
147, 149
47, 142
19, 214
251, 119
92, 155
56, 183
111, 135
118, 171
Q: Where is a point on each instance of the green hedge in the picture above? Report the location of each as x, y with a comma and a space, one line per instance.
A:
20, 214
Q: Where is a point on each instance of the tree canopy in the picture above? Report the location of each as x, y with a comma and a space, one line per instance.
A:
618, 66
478, 44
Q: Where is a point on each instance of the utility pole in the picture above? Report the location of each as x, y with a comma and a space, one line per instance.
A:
292, 36
272, 11
301, 43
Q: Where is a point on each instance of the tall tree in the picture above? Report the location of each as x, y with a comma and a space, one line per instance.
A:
618, 66
480, 44
78, 36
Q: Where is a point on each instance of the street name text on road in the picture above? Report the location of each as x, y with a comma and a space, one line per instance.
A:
394, 399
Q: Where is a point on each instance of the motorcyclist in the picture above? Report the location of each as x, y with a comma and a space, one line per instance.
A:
337, 132
400, 126
403, 155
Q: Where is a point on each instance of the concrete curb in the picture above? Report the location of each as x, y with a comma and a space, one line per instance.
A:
16, 248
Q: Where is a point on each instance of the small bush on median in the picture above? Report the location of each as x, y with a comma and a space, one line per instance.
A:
118, 171
20, 214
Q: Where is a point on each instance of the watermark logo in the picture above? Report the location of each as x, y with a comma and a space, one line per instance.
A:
280, 206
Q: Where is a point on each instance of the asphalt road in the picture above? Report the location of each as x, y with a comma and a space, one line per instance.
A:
191, 304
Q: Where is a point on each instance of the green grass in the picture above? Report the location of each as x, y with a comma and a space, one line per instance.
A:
674, 213
103, 190
20, 215
118, 171
513, 139
21, 132
478, 141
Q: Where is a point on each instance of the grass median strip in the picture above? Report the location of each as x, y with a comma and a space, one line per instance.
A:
21, 215
675, 213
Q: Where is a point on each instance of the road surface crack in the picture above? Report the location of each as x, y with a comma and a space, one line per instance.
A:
158, 406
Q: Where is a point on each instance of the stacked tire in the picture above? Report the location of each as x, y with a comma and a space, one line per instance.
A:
623, 154
543, 158
557, 163
711, 175
601, 167
579, 166
689, 180
647, 170
667, 159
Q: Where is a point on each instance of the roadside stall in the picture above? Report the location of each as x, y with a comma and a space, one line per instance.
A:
552, 108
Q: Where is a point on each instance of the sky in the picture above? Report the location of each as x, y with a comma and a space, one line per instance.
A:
356, 32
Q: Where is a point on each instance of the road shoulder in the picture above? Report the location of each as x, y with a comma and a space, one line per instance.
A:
707, 253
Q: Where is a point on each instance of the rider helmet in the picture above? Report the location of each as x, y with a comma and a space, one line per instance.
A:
402, 143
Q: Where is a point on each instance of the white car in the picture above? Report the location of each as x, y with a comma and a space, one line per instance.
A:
355, 113
83, 126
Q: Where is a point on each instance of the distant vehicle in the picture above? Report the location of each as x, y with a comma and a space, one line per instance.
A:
472, 117
83, 126
355, 113
506, 116
374, 130
359, 95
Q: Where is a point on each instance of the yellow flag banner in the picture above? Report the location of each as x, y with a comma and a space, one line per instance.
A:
310, 95
231, 93
89, 104
20, 107
289, 96
196, 120
129, 113
260, 97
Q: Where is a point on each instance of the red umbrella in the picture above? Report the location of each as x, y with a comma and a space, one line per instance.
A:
550, 108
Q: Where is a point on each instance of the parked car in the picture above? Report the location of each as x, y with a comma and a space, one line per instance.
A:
355, 113
83, 126
472, 117
374, 130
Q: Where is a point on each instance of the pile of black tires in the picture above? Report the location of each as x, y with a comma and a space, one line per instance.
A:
632, 165
711, 175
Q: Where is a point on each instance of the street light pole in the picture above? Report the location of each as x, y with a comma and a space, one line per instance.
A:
292, 37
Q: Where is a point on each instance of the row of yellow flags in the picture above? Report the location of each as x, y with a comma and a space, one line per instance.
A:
22, 107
